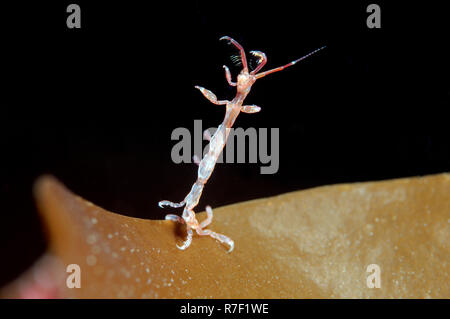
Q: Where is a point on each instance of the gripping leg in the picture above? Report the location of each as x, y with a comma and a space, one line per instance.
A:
171, 204
211, 96
222, 238
251, 109
262, 60
228, 76
208, 220
188, 240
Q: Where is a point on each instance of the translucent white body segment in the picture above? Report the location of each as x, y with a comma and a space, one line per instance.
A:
194, 195
206, 167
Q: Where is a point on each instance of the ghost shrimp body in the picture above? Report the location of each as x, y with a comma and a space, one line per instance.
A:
217, 142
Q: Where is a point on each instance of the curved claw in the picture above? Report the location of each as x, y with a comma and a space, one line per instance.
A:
187, 242
224, 240
209, 217
228, 241
240, 48
225, 37
231, 246
220, 237
262, 60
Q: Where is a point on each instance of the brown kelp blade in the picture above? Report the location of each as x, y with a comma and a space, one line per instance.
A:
315, 243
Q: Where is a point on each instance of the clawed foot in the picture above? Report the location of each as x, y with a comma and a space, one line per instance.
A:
222, 238
188, 240
179, 219
206, 232
200, 231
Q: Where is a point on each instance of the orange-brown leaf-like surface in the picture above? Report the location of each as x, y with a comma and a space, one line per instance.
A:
315, 243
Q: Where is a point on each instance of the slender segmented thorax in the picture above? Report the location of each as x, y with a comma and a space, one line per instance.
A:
207, 164
194, 195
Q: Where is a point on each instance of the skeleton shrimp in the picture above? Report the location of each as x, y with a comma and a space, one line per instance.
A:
217, 142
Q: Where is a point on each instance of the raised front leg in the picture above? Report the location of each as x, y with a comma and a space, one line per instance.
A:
211, 96
251, 109
241, 50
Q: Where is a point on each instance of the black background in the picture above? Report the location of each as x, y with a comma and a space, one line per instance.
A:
96, 106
